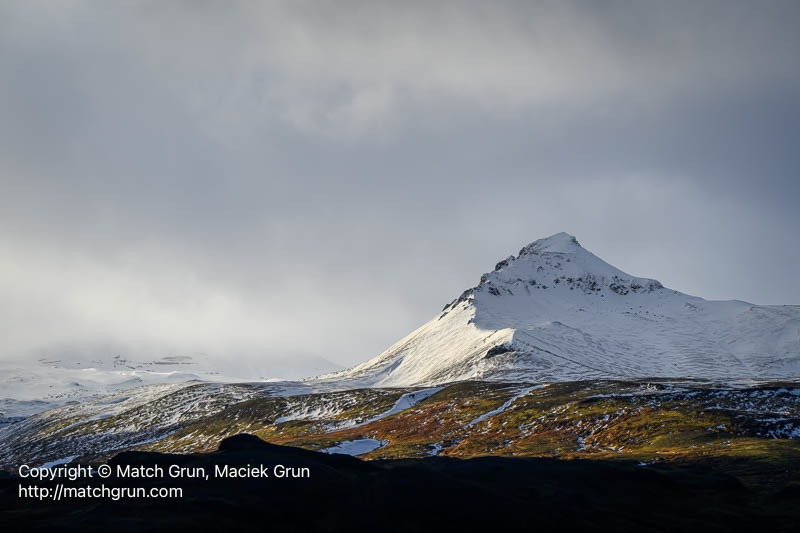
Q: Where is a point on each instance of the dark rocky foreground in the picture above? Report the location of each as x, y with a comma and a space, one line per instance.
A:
344, 493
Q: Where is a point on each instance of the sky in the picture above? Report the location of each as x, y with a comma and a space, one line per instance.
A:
267, 182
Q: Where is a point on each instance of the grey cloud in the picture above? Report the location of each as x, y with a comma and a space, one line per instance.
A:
257, 180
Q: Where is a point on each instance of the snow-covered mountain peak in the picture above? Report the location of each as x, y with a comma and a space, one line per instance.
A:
559, 243
559, 312
558, 263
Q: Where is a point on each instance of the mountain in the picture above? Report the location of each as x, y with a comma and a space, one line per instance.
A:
555, 351
30, 387
557, 312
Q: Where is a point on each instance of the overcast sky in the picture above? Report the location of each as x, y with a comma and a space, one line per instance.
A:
263, 180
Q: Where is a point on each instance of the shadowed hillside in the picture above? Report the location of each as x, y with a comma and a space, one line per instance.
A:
344, 493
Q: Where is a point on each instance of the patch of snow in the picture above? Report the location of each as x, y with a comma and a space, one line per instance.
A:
435, 450
356, 447
505, 406
56, 462
406, 401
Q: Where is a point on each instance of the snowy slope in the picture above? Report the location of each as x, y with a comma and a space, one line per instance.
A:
30, 387
27, 387
557, 312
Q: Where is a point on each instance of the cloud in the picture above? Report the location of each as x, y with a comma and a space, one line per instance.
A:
348, 68
261, 179
352, 66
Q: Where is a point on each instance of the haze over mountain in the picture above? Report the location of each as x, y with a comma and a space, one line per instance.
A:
558, 312
29, 387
